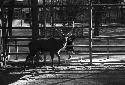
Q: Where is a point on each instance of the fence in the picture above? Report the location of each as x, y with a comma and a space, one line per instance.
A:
99, 44
84, 26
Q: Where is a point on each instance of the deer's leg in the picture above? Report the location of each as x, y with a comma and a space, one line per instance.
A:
36, 59
27, 59
44, 55
69, 53
30, 57
40, 58
57, 53
52, 57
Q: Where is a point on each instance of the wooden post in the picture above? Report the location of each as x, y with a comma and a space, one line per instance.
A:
4, 35
35, 24
10, 17
52, 19
44, 15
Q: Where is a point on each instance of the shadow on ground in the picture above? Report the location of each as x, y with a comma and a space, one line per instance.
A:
6, 78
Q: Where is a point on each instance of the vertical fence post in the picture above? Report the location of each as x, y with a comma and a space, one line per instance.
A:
90, 31
51, 19
3, 21
4, 36
107, 48
44, 15
17, 49
35, 23
34, 13
4, 33
10, 17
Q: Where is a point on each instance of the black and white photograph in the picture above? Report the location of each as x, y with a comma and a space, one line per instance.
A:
62, 42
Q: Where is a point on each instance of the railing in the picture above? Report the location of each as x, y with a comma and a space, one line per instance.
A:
89, 7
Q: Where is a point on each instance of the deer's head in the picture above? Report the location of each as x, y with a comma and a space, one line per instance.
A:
65, 36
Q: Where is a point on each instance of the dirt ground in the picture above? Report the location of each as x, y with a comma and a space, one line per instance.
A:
6, 78
84, 80
70, 74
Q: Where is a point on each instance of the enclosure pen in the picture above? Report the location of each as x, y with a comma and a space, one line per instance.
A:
95, 55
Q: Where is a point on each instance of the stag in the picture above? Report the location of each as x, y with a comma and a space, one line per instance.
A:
51, 45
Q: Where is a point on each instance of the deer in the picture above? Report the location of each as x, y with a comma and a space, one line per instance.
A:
51, 45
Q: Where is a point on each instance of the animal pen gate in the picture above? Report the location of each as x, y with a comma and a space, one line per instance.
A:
45, 16
63, 13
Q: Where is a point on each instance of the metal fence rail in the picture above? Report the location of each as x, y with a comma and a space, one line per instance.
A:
88, 7
97, 60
